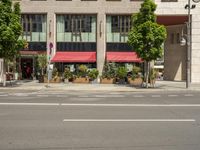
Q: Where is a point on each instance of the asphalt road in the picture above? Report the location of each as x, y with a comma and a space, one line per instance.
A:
99, 120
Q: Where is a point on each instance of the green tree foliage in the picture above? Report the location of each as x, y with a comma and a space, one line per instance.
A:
10, 29
146, 36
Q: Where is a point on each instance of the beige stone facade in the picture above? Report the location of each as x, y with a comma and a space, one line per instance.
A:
102, 8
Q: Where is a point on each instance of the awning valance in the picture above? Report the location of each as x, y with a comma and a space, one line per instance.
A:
74, 57
122, 57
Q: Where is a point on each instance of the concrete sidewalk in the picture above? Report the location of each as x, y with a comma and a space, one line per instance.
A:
34, 85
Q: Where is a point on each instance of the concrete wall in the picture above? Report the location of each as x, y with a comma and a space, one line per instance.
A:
177, 8
174, 55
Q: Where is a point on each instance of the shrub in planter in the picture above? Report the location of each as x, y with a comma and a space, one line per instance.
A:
82, 71
93, 74
136, 78
67, 75
81, 75
121, 74
109, 73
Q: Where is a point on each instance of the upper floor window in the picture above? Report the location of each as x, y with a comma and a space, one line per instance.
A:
117, 28
34, 27
78, 23
76, 28
121, 23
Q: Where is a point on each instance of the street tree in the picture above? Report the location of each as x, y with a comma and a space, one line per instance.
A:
10, 30
146, 36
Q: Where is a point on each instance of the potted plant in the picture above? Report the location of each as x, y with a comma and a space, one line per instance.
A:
152, 77
67, 75
42, 63
81, 75
93, 74
108, 74
136, 78
121, 74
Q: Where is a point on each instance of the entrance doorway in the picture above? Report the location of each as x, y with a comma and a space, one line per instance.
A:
27, 68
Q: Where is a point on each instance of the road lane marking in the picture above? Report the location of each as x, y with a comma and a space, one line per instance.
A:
104, 96
138, 96
155, 95
31, 104
42, 95
129, 120
188, 95
4, 95
103, 105
132, 105
172, 95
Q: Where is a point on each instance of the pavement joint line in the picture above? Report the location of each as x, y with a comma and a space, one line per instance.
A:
129, 120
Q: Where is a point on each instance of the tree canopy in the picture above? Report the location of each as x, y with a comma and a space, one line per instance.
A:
146, 36
10, 29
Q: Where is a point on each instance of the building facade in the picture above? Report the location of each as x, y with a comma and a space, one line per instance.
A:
97, 30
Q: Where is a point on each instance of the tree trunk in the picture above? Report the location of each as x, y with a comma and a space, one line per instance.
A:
4, 72
147, 73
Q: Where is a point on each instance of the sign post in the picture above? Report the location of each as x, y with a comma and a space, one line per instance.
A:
49, 66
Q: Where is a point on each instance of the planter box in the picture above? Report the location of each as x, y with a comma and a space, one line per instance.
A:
107, 81
57, 80
81, 80
135, 82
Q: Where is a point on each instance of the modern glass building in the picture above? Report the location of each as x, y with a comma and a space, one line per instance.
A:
90, 32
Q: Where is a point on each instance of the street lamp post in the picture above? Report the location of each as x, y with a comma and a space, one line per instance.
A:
188, 65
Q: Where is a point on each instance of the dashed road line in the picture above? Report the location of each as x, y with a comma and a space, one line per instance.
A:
188, 95
129, 120
42, 95
138, 96
4, 95
155, 95
172, 95
110, 96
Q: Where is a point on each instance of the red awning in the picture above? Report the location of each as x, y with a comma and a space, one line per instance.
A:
74, 57
123, 57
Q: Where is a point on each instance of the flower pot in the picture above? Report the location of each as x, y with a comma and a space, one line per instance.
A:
135, 82
81, 80
107, 81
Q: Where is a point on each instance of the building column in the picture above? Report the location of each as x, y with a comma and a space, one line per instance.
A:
195, 50
101, 41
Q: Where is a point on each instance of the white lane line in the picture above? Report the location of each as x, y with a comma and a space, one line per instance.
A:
129, 120
188, 95
155, 96
138, 96
103, 105
61, 96
84, 96
31, 104
42, 95
19, 94
4, 95
132, 105
104, 96
172, 95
